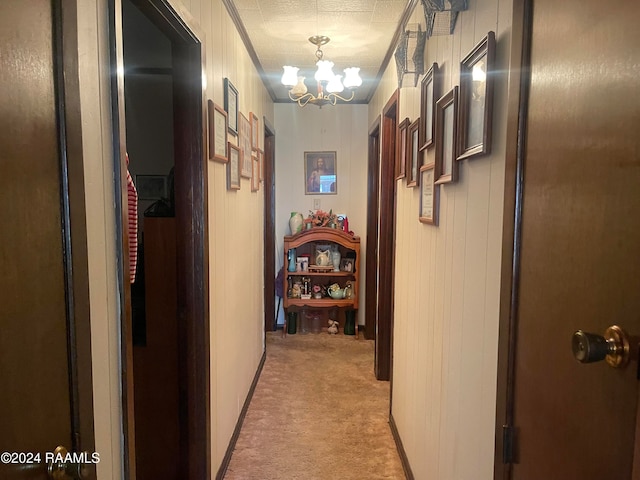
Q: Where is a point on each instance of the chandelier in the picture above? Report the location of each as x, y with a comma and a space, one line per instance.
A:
330, 86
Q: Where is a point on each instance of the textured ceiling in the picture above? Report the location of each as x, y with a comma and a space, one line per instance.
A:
362, 33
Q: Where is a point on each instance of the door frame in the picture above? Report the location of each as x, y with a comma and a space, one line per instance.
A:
269, 226
192, 233
518, 98
381, 218
373, 202
75, 226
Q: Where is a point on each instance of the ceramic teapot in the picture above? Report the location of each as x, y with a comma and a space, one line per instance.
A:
323, 256
335, 291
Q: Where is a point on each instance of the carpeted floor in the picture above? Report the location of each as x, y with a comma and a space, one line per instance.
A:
318, 413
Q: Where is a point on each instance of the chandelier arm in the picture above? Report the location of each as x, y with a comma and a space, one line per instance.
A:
302, 101
295, 98
336, 97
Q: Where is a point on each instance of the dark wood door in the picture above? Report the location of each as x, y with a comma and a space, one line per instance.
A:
580, 257
39, 399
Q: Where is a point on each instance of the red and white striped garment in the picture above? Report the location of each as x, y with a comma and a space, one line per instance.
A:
132, 213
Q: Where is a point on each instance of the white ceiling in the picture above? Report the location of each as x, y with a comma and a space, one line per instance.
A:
363, 34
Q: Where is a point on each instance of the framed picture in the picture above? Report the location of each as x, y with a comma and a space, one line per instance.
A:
429, 195
413, 154
233, 167
217, 133
255, 172
401, 155
346, 265
231, 105
446, 130
255, 131
151, 187
429, 93
244, 142
477, 72
320, 173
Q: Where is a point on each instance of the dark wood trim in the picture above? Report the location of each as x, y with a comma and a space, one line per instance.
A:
242, 31
386, 242
236, 432
122, 247
269, 227
406, 14
517, 110
401, 452
74, 223
172, 18
192, 259
192, 235
371, 257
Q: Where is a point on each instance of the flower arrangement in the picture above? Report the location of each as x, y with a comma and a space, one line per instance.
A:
320, 218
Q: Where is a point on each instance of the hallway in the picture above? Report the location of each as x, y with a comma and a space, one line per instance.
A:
317, 413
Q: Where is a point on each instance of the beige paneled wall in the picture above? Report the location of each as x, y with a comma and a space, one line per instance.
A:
236, 223
447, 280
342, 129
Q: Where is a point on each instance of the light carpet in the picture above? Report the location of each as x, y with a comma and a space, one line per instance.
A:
317, 413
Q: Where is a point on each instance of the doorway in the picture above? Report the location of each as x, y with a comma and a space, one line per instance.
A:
270, 288
381, 236
166, 378
573, 243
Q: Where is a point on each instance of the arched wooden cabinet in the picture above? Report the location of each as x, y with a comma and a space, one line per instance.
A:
306, 244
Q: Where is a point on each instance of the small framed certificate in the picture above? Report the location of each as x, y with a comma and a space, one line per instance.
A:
429, 196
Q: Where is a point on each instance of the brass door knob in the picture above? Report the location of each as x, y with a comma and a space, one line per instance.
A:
612, 347
60, 469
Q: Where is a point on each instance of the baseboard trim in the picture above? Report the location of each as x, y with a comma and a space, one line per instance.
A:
236, 432
403, 455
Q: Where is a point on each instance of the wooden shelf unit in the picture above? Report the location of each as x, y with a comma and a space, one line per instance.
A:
305, 244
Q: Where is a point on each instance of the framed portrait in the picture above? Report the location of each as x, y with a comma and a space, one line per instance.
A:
231, 105
320, 173
477, 71
217, 133
233, 167
429, 93
151, 187
413, 154
429, 195
244, 142
255, 131
346, 265
446, 130
401, 155
255, 172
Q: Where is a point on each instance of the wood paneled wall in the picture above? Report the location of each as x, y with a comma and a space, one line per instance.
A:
447, 279
236, 254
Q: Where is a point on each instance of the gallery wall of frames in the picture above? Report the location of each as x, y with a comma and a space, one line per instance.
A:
456, 124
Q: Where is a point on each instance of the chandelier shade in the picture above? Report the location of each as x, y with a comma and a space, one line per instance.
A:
352, 77
329, 84
290, 76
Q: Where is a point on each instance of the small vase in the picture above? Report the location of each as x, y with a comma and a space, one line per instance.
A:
295, 222
350, 322
291, 256
335, 259
292, 323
